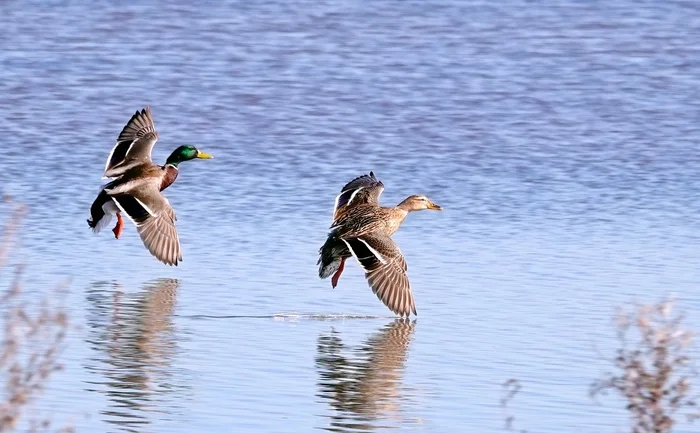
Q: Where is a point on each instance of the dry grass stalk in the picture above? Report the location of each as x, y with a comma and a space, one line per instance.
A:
653, 372
32, 338
510, 388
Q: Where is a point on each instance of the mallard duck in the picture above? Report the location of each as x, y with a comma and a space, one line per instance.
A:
362, 228
136, 188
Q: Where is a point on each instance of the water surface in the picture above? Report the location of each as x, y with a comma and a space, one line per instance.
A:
561, 141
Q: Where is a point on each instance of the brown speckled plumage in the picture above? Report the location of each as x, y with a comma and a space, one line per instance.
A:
363, 228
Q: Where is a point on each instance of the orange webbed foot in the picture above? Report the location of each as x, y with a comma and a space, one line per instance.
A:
119, 227
336, 276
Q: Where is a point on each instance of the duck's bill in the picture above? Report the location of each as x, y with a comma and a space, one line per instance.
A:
203, 155
433, 206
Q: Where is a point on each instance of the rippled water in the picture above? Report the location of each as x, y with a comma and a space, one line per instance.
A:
562, 141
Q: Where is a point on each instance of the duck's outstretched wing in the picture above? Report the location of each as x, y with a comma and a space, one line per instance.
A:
155, 220
385, 271
363, 189
134, 144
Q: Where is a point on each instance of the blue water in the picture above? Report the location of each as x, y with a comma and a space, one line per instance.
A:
561, 139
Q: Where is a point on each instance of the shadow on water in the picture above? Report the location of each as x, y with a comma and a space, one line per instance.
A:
133, 339
363, 384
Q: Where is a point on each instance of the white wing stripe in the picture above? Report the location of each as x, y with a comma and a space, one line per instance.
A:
124, 212
354, 193
335, 206
150, 212
374, 252
109, 158
129, 149
148, 209
352, 252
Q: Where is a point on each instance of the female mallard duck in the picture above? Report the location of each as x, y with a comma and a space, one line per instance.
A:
362, 228
136, 188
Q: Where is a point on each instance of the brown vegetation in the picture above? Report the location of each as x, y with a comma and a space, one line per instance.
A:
32, 337
652, 369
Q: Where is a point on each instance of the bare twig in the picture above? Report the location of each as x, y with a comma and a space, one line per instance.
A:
510, 388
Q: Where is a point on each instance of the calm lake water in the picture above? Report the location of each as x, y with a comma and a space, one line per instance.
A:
562, 141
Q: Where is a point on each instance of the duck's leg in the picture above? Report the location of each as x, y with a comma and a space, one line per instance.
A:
336, 276
119, 227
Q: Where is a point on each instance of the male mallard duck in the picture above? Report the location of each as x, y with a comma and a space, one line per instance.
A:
136, 188
362, 228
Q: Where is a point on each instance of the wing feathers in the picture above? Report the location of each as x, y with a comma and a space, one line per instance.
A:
117, 155
159, 235
140, 125
135, 143
363, 189
156, 227
132, 207
385, 271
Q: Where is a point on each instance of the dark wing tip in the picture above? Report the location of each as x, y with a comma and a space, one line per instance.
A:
146, 115
363, 176
136, 115
167, 261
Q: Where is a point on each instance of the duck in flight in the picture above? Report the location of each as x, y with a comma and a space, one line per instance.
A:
362, 228
136, 186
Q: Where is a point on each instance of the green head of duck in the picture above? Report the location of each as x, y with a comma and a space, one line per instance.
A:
186, 153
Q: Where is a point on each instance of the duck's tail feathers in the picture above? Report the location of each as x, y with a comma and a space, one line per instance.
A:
331, 256
101, 212
327, 269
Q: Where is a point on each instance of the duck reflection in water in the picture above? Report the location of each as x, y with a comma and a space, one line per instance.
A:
133, 339
363, 385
